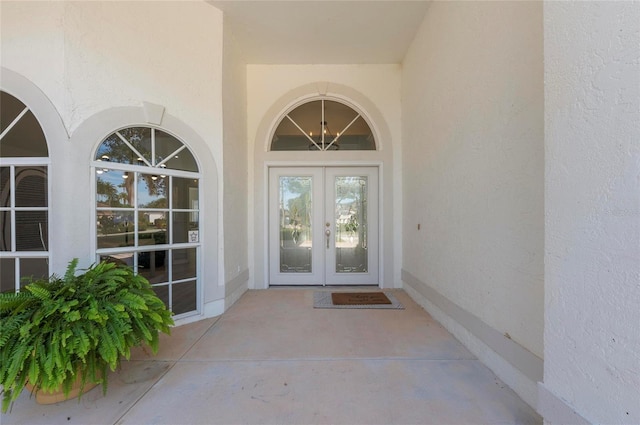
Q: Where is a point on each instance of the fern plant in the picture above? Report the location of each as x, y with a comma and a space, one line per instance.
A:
79, 325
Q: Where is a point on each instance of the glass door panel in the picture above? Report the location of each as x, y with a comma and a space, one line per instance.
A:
351, 201
351, 224
294, 203
323, 226
296, 239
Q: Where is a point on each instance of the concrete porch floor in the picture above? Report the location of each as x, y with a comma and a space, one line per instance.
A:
274, 359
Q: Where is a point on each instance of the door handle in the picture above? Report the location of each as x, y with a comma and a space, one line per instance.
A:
327, 234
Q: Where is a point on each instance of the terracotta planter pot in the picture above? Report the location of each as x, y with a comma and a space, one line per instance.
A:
44, 397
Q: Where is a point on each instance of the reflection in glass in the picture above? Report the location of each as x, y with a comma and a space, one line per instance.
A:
152, 191
115, 229
5, 187
351, 224
140, 139
121, 259
185, 227
31, 230
31, 186
295, 224
7, 274
5, 230
183, 297
113, 149
25, 138
185, 193
163, 293
167, 146
153, 266
115, 189
183, 263
36, 268
152, 228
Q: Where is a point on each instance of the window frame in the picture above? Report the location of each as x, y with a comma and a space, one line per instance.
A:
134, 170
359, 114
12, 163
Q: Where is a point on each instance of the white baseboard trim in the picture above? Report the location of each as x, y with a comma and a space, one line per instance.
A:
213, 309
513, 364
235, 288
556, 411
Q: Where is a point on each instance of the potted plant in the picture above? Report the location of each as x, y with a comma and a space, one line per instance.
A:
60, 330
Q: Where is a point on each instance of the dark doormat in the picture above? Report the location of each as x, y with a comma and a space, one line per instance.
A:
379, 300
359, 298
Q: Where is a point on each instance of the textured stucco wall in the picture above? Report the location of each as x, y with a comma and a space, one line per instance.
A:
472, 110
93, 58
592, 203
473, 170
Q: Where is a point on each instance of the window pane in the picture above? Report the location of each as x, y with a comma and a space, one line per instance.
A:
140, 139
152, 191
357, 137
25, 139
5, 230
33, 268
31, 231
122, 259
5, 187
114, 189
308, 117
153, 266
185, 227
7, 274
343, 129
115, 229
31, 186
166, 145
152, 228
288, 136
184, 297
184, 263
185, 193
113, 149
9, 110
163, 293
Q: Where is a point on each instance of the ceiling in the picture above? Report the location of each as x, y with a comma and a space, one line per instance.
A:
323, 32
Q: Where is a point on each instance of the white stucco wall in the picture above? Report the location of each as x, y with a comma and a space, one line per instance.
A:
90, 58
592, 203
377, 86
472, 110
31, 34
234, 99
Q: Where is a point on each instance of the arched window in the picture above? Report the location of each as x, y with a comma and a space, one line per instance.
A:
323, 125
147, 211
24, 195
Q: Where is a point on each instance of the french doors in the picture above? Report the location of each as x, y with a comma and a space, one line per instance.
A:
323, 226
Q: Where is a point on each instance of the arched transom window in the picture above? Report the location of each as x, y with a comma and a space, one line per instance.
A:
24, 195
147, 211
323, 125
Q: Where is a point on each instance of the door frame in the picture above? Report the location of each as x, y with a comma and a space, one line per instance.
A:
317, 164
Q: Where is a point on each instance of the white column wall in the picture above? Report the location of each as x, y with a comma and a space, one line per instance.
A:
91, 57
592, 206
235, 187
473, 226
